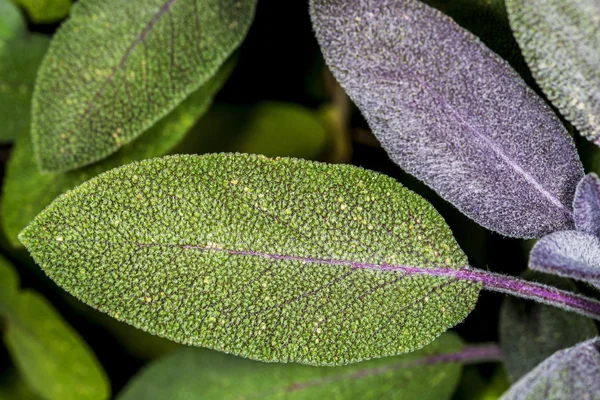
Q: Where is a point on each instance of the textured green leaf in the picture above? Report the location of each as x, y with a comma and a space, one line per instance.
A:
200, 374
45, 11
118, 66
52, 358
561, 43
270, 129
29, 191
531, 332
272, 259
11, 21
20, 58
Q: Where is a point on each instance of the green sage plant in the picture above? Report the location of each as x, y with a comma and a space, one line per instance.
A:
274, 228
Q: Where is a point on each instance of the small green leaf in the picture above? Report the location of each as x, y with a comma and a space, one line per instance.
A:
12, 23
118, 66
30, 191
561, 43
46, 11
272, 259
54, 361
20, 58
530, 332
271, 129
200, 374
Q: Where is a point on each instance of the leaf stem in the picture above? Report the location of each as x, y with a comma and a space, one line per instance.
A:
532, 290
471, 354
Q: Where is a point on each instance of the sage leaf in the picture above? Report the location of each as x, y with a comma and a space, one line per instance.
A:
201, 374
531, 332
28, 190
12, 23
573, 373
571, 254
586, 205
561, 43
52, 358
46, 11
13, 387
117, 66
449, 111
20, 58
271, 259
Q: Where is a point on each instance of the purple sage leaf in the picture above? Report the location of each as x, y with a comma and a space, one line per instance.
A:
586, 205
571, 254
451, 112
573, 373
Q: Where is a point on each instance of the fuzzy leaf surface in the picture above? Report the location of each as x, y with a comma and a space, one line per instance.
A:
201, 374
561, 44
573, 373
46, 11
530, 332
28, 190
52, 358
571, 254
20, 58
586, 205
117, 66
271, 259
452, 113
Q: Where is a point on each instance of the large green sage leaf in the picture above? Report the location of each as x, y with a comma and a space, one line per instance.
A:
52, 358
272, 259
201, 374
118, 66
46, 11
561, 43
29, 191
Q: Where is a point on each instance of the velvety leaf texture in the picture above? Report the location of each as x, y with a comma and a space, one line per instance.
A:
452, 113
271, 259
572, 254
20, 58
46, 11
530, 332
52, 358
586, 205
118, 66
28, 190
561, 43
195, 374
573, 373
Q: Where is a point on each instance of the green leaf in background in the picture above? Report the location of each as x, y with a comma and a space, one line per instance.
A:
46, 11
20, 58
531, 332
271, 129
192, 374
271, 259
26, 191
117, 66
13, 387
12, 23
561, 43
52, 358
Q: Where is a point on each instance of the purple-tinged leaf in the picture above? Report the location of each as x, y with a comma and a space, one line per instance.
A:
571, 254
452, 113
586, 205
573, 373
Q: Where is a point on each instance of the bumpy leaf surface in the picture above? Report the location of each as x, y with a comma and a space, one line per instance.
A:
200, 374
573, 373
20, 58
452, 113
52, 358
29, 191
46, 11
272, 259
586, 205
531, 332
571, 254
118, 66
561, 43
